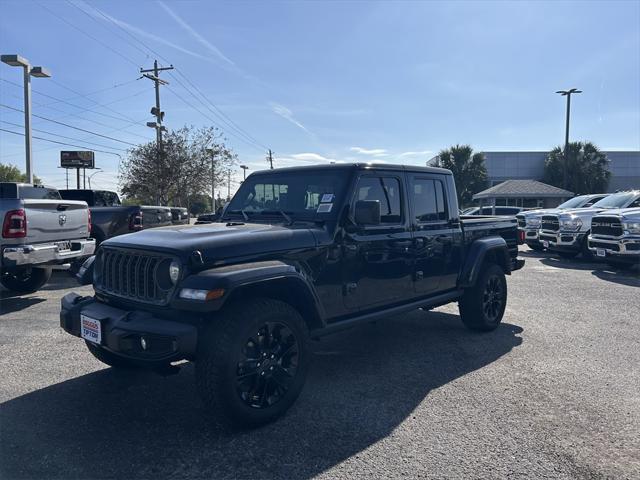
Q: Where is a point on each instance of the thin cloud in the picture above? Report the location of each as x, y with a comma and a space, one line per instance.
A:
311, 157
418, 153
212, 48
376, 152
149, 35
287, 114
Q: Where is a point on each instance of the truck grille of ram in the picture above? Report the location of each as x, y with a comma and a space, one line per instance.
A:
608, 226
550, 223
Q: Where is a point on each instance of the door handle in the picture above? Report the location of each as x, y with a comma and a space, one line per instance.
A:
350, 247
419, 242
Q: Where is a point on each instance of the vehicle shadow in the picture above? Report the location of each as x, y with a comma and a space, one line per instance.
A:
630, 277
533, 254
363, 384
13, 302
571, 264
60, 280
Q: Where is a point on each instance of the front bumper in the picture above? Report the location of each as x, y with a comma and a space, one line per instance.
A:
132, 334
46, 253
561, 240
625, 248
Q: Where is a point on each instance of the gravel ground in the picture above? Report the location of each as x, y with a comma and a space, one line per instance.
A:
553, 393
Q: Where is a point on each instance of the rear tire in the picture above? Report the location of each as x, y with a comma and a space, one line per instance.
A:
252, 362
107, 357
482, 306
26, 280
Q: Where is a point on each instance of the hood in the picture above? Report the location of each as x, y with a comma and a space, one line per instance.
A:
217, 241
632, 213
582, 212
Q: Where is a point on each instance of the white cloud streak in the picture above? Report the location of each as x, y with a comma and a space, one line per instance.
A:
375, 152
417, 153
287, 114
212, 48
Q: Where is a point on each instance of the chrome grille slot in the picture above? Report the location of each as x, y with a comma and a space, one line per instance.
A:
550, 223
607, 226
133, 275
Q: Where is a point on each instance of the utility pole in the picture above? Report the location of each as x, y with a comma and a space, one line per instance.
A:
212, 152
565, 172
228, 185
270, 158
157, 81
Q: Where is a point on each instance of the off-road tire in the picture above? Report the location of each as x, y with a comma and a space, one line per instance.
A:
220, 348
27, 280
474, 311
107, 357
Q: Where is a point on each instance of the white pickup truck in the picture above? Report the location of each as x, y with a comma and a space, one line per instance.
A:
39, 230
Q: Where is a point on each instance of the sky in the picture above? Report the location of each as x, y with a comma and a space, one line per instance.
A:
321, 81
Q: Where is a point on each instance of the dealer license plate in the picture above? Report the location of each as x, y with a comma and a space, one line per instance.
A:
90, 329
601, 252
545, 243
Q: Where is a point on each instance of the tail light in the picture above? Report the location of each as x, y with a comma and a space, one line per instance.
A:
15, 224
89, 221
135, 222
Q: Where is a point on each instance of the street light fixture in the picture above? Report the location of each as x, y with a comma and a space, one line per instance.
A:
244, 172
99, 170
567, 93
39, 72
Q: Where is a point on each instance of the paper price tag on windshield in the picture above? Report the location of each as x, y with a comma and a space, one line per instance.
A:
324, 207
327, 197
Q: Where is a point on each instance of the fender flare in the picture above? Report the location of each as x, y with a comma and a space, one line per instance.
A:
234, 279
476, 255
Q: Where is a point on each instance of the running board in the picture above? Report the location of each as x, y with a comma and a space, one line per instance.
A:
426, 303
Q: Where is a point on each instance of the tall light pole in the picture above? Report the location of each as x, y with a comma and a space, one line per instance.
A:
212, 152
94, 173
40, 72
244, 172
567, 93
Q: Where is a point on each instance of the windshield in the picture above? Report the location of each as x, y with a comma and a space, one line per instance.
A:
306, 194
617, 200
574, 202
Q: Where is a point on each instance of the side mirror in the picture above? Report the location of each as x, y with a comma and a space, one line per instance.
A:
367, 212
85, 274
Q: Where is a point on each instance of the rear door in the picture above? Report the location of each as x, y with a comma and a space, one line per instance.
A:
378, 259
433, 236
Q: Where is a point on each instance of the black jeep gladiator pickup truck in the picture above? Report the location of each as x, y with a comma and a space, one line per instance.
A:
299, 253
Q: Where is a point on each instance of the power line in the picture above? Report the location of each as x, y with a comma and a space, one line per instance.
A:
70, 126
89, 35
63, 136
60, 143
84, 109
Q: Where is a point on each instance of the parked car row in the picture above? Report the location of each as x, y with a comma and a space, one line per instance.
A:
43, 227
604, 225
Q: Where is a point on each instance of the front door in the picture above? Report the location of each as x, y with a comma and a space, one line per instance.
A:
432, 234
378, 259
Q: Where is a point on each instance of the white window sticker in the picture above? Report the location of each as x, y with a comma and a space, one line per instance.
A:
324, 207
327, 197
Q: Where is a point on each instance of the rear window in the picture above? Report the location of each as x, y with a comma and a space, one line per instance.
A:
39, 193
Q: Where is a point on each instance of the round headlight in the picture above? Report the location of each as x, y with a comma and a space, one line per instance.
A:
174, 271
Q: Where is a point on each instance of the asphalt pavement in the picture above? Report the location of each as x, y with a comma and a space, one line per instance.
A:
553, 393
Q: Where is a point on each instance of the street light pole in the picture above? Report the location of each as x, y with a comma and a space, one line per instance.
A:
244, 172
565, 174
95, 173
28, 71
212, 152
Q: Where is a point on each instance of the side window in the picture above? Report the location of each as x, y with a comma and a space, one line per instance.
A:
635, 203
428, 200
385, 190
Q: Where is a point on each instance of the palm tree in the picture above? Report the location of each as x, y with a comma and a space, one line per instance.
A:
469, 171
587, 168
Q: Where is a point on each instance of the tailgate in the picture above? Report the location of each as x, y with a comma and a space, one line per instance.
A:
55, 220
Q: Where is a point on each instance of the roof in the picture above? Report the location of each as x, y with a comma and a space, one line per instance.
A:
523, 189
358, 166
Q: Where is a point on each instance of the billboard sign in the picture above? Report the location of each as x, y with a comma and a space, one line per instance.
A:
77, 159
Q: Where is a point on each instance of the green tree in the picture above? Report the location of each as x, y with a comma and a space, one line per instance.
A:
587, 168
469, 171
11, 173
182, 172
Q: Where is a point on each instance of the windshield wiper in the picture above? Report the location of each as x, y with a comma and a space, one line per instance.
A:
244, 214
281, 212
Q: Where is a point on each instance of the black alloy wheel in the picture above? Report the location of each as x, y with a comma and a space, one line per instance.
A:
493, 298
268, 365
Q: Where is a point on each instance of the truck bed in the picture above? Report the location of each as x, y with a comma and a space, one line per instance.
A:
478, 226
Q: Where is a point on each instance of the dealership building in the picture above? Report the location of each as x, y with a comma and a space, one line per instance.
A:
501, 166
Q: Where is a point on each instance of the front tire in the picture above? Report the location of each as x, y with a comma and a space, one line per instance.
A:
482, 306
252, 362
26, 280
